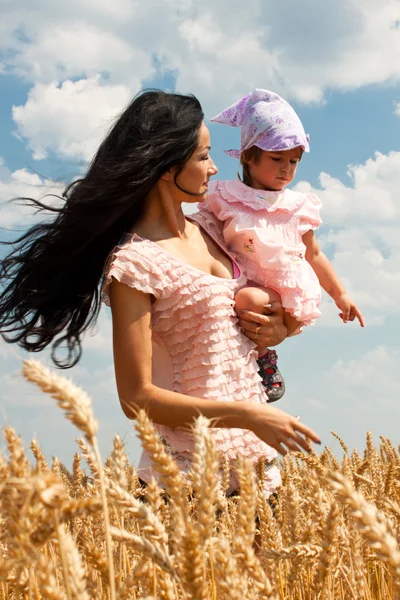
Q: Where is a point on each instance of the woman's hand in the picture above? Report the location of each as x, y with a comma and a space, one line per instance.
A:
279, 429
264, 330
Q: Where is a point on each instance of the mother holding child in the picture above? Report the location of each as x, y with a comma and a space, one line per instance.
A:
180, 349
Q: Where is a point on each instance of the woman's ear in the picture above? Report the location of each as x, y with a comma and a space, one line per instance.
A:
168, 175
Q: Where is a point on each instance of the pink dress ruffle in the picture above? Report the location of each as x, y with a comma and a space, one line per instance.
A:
198, 349
264, 230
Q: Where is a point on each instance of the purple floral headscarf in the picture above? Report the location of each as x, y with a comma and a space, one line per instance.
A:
267, 121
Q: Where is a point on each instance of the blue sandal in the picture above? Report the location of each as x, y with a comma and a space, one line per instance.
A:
271, 376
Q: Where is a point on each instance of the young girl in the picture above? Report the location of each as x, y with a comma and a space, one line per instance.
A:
269, 228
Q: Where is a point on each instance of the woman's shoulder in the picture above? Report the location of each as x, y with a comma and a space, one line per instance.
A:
135, 250
138, 263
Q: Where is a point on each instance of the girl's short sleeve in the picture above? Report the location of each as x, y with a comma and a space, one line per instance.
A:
137, 266
309, 214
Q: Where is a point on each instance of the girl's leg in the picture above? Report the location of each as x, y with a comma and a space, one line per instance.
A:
255, 299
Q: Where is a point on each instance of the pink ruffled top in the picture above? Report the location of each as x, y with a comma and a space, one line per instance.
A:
264, 230
199, 349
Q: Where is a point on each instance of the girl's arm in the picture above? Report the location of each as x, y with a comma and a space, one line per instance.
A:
329, 281
133, 369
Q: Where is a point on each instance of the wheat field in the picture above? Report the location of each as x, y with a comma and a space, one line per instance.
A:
94, 533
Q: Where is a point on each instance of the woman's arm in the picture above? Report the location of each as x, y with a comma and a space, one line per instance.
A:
328, 279
133, 369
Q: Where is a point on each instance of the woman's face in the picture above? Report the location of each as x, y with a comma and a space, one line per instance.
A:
195, 175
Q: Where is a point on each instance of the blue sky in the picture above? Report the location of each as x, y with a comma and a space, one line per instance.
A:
65, 71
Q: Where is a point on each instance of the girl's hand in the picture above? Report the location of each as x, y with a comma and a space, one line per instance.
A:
279, 429
349, 310
264, 330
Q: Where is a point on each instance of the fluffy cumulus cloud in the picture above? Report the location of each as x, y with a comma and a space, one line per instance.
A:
69, 119
22, 183
217, 51
372, 198
81, 50
85, 59
300, 49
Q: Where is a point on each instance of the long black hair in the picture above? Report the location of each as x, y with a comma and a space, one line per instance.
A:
51, 279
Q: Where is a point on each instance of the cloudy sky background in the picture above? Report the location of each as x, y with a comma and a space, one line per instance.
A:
66, 69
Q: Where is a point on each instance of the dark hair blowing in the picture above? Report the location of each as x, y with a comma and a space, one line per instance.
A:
51, 279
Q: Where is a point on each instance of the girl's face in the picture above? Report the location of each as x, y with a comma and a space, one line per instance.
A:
195, 175
274, 170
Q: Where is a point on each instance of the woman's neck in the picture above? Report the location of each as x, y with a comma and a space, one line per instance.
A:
163, 217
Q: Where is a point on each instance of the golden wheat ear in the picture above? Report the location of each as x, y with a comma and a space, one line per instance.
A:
205, 478
78, 408
369, 521
41, 461
72, 399
171, 477
330, 535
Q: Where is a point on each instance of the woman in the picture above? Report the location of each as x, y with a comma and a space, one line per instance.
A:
170, 283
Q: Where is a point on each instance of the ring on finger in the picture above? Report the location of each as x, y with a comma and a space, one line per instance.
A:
258, 330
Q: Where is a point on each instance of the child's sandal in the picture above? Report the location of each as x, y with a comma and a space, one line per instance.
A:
271, 376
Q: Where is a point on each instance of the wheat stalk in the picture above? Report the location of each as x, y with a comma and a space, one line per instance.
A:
78, 408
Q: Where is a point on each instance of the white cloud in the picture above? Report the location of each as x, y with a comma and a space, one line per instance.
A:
375, 374
22, 184
82, 50
99, 338
371, 199
224, 62
15, 391
70, 119
220, 52
342, 46
87, 62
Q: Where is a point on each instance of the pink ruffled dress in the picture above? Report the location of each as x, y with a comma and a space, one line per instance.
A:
198, 348
264, 230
